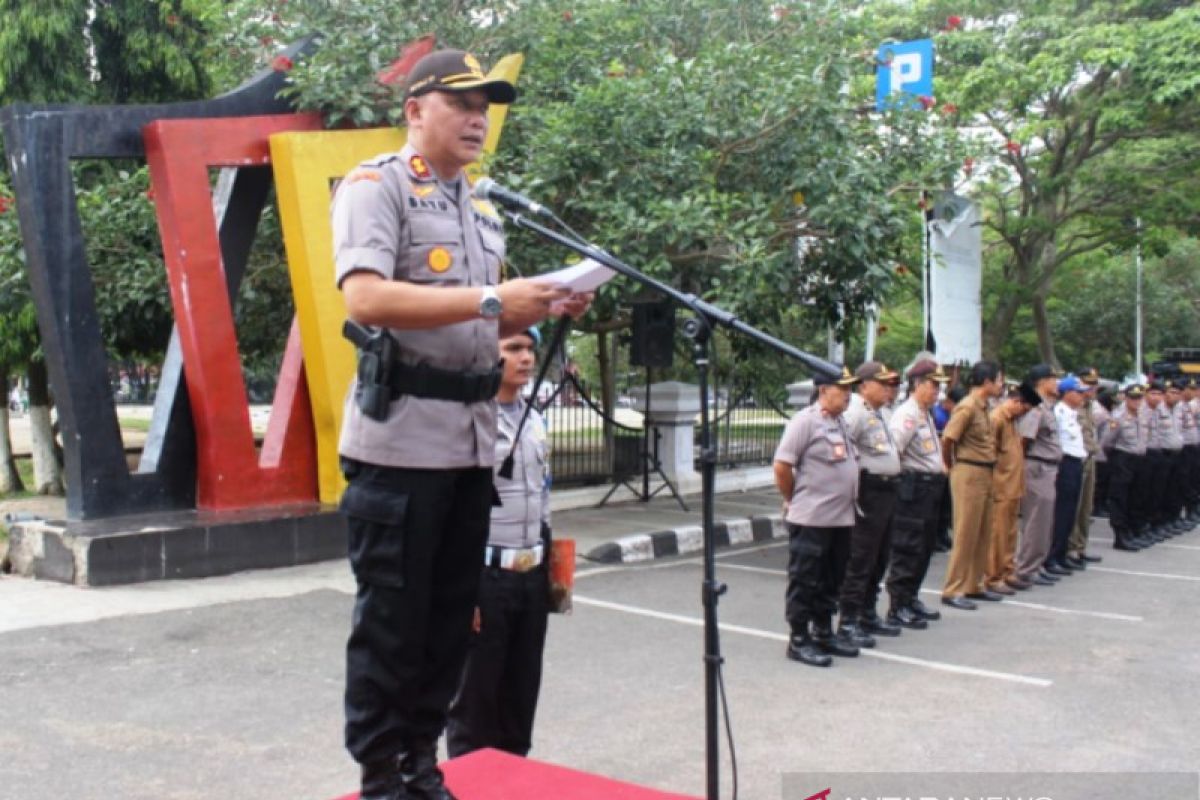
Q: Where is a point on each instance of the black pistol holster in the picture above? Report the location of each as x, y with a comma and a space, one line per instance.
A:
382, 377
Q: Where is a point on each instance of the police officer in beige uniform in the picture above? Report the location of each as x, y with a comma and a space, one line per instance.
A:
416, 256
816, 471
970, 455
918, 498
877, 480
1039, 430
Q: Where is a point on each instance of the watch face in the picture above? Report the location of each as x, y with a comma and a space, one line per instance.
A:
490, 306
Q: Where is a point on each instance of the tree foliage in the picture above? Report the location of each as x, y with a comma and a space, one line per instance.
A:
1084, 115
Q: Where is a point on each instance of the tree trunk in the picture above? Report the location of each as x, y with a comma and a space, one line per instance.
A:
995, 332
1041, 323
47, 474
10, 479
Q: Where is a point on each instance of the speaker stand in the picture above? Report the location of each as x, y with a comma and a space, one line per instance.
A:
650, 463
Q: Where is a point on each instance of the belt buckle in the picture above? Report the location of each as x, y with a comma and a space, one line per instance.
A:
523, 561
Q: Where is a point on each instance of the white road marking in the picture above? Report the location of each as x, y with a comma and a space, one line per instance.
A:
775, 636
1022, 603
1160, 544
1164, 575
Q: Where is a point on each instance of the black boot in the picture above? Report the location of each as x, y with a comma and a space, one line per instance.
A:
1123, 541
905, 617
802, 648
828, 643
422, 778
382, 780
873, 623
852, 632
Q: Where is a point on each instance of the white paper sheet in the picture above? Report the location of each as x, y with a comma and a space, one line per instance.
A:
586, 276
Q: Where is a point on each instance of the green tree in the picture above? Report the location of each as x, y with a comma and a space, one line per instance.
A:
1086, 113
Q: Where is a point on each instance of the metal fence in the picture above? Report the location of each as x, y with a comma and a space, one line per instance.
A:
748, 430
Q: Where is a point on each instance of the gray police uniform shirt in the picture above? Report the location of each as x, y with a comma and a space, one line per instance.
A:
869, 432
1124, 431
1187, 423
1162, 429
916, 438
1173, 431
824, 469
525, 497
392, 216
1041, 427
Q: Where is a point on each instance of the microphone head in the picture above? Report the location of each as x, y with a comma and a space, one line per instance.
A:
482, 190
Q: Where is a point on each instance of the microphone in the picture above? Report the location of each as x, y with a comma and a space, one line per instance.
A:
488, 189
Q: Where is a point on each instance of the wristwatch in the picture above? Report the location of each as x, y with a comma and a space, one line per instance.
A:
489, 303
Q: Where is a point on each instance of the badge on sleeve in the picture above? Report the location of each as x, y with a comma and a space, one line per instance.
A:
419, 168
439, 259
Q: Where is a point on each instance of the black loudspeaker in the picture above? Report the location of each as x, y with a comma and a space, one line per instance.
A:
653, 341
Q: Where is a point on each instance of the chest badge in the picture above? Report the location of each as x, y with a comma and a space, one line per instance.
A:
421, 191
439, 259
419, 168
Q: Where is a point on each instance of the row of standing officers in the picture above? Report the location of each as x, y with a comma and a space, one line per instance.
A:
863, 487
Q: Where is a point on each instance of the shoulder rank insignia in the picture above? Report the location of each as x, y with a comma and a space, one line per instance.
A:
418, 167
361, 174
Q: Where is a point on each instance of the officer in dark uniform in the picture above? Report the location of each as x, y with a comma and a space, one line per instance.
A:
418, 257
1123, 438
816, 471
877, 481
918, 498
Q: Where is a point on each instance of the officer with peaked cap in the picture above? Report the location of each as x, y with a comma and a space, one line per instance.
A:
417, 257
1176, 491
878, 477
1039, 430
970, 453
1091, 416
1157, 473
816, 471
1124, 440
1191, 450
918, 497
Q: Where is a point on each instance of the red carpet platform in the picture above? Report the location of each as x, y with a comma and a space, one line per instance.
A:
492, 775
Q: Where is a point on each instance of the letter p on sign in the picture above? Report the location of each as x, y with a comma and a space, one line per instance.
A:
904, 72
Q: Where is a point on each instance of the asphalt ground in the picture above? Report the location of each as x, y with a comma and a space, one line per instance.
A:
231, 687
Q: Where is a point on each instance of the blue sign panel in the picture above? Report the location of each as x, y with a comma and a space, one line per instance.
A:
904, 72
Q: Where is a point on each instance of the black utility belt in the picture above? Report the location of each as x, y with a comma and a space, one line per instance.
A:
876, 478
1075, 459
434, 383
923, 477
1041, 460
984, 464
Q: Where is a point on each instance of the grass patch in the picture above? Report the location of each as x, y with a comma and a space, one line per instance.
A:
134, 424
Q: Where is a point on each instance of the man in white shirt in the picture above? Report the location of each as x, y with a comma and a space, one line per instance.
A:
1071, 394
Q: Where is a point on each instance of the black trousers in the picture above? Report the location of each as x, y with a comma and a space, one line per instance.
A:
816, 564
914, 533
869, 544
1100, 495
1067, 484
1191, 456
1176, 491
1125, 473
416, 548
1149, 487
498, 695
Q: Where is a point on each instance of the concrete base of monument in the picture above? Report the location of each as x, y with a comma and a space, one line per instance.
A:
189, 544
493, 775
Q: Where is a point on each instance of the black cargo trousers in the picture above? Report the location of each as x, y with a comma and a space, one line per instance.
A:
416, 541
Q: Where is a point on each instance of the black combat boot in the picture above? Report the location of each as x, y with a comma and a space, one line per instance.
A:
851, 632
873, 623
422, 778
905, 617
802, 648
382, 780
822, 634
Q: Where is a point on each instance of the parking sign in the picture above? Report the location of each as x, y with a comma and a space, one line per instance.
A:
904, 72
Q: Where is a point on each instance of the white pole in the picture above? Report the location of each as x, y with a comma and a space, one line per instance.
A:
1137, 332
872, 324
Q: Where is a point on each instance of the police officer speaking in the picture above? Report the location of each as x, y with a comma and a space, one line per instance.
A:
415, 254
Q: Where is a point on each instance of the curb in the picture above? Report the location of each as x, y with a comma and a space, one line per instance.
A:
638, 547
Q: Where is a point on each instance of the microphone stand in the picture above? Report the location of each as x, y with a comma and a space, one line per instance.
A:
699, 329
